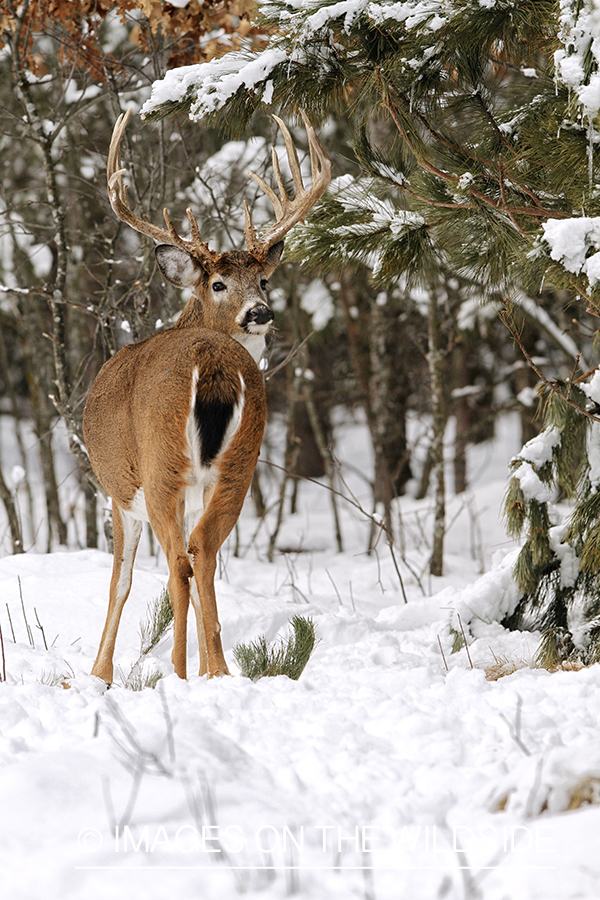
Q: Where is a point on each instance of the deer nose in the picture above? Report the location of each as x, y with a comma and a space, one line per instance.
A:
259, 315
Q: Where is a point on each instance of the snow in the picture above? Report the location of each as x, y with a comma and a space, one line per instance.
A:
378, 773
579, 39
214, 82
592, 387
317, 302
532, 485
539, 449
570, 241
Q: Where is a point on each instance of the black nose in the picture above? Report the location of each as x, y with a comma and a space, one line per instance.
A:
260, 315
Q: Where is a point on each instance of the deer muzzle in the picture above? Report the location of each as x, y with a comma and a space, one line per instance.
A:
258, 315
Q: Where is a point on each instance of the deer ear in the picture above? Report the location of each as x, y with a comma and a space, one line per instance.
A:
177, 266
273, 258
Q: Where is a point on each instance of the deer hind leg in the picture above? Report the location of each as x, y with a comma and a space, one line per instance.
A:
126, 536
220, 516
169, 533
203, 669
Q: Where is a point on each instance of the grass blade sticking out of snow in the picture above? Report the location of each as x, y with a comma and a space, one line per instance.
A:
138, 680
257, 660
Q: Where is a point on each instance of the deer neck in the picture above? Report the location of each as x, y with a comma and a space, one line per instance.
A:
194, 316
253, 343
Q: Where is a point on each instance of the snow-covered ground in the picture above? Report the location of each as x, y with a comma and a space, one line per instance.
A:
378, 774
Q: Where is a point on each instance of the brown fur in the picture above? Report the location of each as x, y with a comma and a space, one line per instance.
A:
135, 430
136, 418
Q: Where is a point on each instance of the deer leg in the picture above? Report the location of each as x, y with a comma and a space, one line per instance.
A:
199, 628
180, 572
203, 669
219, 517
168, 529
204, 566
126, 536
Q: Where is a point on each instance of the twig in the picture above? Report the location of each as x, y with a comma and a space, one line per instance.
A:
168, 723
465, 640
3, 659
375, 521
553, 385
39, 625
397, 568
29, 632
442, 652
334, 586
515, 730
292, 574
352, 596
293, 352
357, 506
11, 624
422, 162
575, 367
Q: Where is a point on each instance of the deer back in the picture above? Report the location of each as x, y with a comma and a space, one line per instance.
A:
137, 418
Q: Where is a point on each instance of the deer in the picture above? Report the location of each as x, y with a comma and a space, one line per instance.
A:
173, 424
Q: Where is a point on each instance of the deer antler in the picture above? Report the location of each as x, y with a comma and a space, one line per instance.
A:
117, 194
289, 212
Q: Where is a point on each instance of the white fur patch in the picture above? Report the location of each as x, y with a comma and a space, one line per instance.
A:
201, 478
132, 529
253, 343
137, 507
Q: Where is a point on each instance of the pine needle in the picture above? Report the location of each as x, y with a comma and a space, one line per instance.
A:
257, 660
159, 616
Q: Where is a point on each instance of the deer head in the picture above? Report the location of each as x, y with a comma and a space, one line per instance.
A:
229, 289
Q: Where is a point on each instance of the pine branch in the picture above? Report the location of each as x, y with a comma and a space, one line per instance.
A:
554, 386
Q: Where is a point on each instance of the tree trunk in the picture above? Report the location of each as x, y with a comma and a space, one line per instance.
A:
462, 415
38, 390
13, 518
436, 373
91, 514
379, 389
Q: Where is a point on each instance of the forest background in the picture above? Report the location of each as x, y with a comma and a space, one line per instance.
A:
450, 274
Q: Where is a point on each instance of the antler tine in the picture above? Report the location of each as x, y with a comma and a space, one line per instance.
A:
117, 194
294, 162
316, 149
289, 212
268, 191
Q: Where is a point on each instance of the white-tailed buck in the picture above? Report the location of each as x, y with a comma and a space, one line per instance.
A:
173, 425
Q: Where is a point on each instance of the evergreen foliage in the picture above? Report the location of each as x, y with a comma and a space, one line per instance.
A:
477, 143
463, 131
558, 567
470, 141
257, 660
159, 617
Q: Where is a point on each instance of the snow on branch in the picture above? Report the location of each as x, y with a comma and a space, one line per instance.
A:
578, 59
207, 87
210, 85
570, 241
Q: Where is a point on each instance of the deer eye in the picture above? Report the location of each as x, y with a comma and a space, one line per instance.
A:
263, 284
219, 286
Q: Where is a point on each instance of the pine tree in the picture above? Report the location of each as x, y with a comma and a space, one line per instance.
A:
477, 141
457, 111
